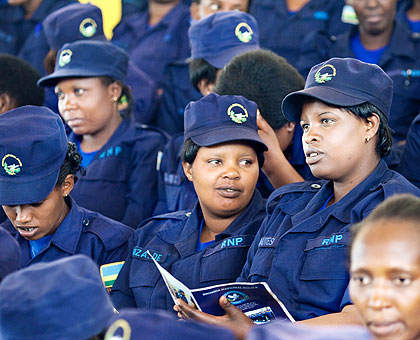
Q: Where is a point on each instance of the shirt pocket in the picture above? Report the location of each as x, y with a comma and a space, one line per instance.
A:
263, 259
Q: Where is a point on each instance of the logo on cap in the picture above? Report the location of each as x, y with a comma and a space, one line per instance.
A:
88, 27
237, 113
65, 57
125, 327
11, 164
326, 76
244, 32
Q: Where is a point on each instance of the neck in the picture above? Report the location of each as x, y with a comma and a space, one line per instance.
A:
214, 225
157, 11
94, 142
65, 209
30, 7
413, 13
295, 5
374, 42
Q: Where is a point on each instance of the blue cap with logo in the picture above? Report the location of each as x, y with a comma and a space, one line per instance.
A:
9, 254
342, 82
33, 146
73, 22
88, 58
133, 324
64, 299
218, 119
221, 36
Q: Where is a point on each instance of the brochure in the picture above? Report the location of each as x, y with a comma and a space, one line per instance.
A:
255, 300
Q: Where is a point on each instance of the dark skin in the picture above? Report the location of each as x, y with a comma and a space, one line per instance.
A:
414, 12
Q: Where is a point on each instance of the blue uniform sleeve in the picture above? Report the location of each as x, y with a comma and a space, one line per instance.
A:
346, 300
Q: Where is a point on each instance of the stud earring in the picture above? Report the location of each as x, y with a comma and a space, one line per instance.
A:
367, 139
115, 99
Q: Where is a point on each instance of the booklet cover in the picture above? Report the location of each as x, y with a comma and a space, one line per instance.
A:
255, 300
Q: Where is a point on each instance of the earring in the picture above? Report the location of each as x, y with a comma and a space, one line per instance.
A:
115, 99
367, 139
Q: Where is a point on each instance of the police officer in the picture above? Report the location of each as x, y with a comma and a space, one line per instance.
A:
84, 22
301, 248
36, 178
120, 156
222, 155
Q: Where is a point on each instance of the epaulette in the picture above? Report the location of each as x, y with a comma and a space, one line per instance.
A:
293, 188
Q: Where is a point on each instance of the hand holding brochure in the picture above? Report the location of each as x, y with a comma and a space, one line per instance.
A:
255, 300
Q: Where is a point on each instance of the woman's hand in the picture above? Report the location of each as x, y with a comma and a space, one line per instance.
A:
234, 319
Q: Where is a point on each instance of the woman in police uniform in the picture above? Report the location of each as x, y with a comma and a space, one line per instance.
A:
120, 157
36, 178
222, 156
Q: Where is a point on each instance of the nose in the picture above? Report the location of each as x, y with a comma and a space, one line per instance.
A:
310, 135
231, 171
23, 214
371, 3
378, 297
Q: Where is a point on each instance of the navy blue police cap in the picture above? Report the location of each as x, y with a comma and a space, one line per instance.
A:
342, 82
73, 22
133, 324
63, 299
88, 58
218, 119
9, 254
33, 146
221, 36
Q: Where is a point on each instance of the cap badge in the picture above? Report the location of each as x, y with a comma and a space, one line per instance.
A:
11, 164
125, 327
329, 72
244, 32
88, 27
65, 57
237, 113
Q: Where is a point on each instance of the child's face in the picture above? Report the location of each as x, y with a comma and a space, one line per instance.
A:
385, 278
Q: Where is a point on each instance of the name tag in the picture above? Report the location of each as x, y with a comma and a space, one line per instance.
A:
334, 240
231, 242
141, 254
268, 242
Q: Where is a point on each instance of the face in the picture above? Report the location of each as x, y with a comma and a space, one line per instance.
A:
87, 106
17, 2
385, 279
207, 7
40, 219
224, 178
334, 141
375, 16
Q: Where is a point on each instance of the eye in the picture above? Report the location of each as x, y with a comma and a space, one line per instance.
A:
37, 204
361, 279
79, 91
59, 94
304, 126
246, 162
214, 7
215, 161
401, 280
326, 121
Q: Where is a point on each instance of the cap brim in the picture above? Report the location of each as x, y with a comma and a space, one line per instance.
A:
228, 134
54, 78
14, 191
220, 60
292, 103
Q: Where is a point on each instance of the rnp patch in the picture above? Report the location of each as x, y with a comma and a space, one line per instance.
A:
326, 241
141, 254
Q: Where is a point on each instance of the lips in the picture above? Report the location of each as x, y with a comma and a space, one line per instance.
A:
313, 156
229, 191
27, 232
385, 329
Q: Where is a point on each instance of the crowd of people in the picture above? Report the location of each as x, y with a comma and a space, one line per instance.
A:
250, 141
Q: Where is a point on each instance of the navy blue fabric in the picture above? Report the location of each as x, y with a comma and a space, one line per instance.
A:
305, 262
152, 49
177, 92
174, 237
410, 159
121, 181
9, 255
282, 33
26, 38
401, 61
81, 232
401, 16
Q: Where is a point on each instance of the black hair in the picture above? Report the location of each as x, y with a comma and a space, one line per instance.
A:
125, 97
263, 77
201, 69
405, 207
366, 110
71, 164
18, 80
190, 149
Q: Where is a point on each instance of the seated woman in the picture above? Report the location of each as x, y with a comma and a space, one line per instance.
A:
222, 156
301, 248
36, 178
120, 157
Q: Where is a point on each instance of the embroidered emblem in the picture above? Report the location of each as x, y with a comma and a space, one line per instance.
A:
11, 164
88, 27
326, 76
113, 329
237, 113
244, 32
65, 57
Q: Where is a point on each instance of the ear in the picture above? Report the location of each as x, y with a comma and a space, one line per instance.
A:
194, 11
187, 170
290, 127
205, 87
6, 103
372, 125
67, 185
115, 90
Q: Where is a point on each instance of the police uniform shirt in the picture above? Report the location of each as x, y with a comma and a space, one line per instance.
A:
121, 181
81, 232
172, 240
301, 251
